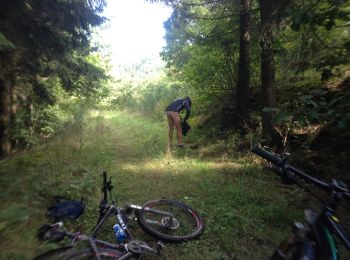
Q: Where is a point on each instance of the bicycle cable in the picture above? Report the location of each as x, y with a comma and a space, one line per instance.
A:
308, 190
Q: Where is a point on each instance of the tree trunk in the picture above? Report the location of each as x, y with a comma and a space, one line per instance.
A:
7, 83
244, 63
13, 115
267, 70
30, 121
5, 145
268, 95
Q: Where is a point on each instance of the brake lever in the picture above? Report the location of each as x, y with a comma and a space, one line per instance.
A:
109, 184
160, 247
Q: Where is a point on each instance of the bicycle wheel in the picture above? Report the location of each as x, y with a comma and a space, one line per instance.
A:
184, 224
69, 253
88, 253
57, 253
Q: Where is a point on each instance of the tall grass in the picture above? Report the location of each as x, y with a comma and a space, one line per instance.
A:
244, 213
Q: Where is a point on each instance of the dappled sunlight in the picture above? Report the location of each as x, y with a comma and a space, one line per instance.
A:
180, 166
94, 113
110, 115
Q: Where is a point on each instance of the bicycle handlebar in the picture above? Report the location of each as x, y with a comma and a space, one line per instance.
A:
323, 185
268, 156
279, 162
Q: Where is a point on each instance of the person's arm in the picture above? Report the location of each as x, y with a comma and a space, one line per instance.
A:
188, 110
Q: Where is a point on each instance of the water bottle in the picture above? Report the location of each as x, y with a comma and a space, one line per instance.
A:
119, 233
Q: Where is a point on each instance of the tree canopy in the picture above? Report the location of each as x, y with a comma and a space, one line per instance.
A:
44, 45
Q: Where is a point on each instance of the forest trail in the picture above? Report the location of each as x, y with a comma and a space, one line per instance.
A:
244, 217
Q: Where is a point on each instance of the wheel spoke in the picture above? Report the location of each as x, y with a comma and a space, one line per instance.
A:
183, 222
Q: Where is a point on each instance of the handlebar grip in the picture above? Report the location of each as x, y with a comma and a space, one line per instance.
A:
104, 187
268, 156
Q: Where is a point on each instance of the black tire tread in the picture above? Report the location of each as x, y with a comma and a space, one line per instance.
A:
170, 238
69, 253
86, 252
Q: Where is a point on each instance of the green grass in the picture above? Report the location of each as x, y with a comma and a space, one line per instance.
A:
245, 214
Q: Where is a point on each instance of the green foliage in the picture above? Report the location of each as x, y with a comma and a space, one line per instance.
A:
81, 76
122, 96
201, 48
147, 98
52, 62
312, 106
153, 98
325, 22
4, 43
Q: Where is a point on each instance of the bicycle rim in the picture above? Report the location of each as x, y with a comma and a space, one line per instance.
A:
57, 253
186, 223
88, 253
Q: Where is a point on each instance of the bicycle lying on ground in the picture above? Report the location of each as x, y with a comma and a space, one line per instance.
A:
318, 238
167, 220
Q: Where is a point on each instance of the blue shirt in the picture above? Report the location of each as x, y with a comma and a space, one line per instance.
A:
178, 105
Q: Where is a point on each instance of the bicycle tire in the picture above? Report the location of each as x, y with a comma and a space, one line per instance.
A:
189, 223
89, 252
67, 253
54, 253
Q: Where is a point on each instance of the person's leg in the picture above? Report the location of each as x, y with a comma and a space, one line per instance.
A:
171, 128
177, 123
175, 120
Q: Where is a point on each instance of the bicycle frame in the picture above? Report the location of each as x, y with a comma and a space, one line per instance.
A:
111, 209
120, 216
95, 244
316, 240
155, 217
319, 237
322, 231
327, 226
107, 209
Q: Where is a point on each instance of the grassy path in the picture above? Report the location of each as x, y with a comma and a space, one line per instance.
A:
245, 215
